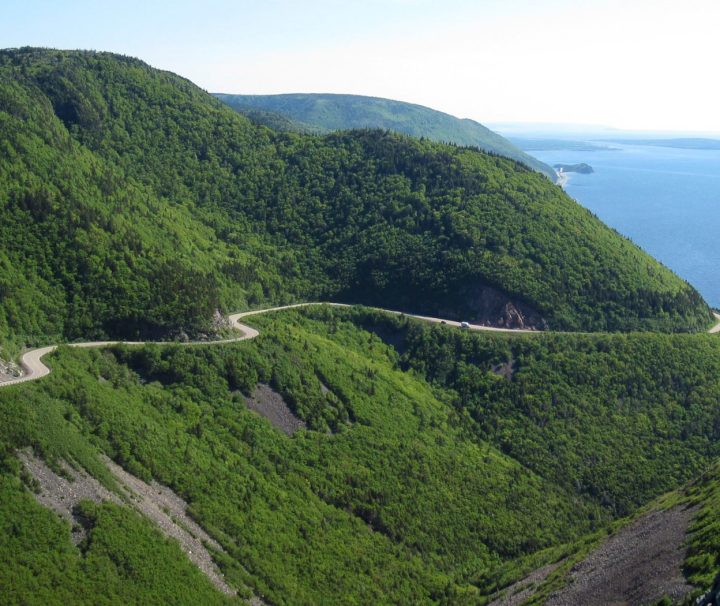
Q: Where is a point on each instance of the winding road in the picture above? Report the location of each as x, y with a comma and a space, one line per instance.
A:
34, 368
715, 329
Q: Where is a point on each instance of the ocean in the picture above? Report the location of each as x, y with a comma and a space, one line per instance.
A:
664, 199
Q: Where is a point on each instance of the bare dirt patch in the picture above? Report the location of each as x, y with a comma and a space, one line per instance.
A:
62, 493
156, 502
638, 565
167, 510
505, 370
518, 592
267, 402
9, 371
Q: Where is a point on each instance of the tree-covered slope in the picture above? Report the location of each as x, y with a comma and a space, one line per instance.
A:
620, 418
384, 499
134, 203
280, 122
342, 112
428, 475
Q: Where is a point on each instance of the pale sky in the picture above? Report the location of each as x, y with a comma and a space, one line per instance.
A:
633, 64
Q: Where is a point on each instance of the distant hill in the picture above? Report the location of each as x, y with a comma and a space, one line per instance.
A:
280, 122
682, 143
328, 112
529, 144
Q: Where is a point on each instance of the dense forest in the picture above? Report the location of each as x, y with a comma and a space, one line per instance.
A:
323, 113
135, 204
409, 484
615, 417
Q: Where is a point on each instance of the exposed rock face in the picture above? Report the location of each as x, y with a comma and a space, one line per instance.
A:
492, 307
220, 321
511, 317
63, 493
506, 370
639, 564
522, 590
154, 501
271, 405
9, 370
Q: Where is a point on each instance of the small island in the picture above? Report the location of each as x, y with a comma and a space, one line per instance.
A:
583, 168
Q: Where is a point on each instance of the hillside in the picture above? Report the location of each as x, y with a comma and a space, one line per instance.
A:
342, 112
619, 418
382, 499
664, 554
419, 477
279, 122
134, 204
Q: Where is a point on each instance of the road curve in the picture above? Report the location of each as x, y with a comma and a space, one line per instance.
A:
34, 368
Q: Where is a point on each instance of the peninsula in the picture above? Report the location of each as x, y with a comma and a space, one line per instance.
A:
582, 168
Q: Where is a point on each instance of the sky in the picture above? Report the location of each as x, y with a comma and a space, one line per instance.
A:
631, 64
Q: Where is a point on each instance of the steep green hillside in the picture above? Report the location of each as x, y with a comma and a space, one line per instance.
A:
386, 498
667, 552
399, 490
341, 112
126, 561
619, 418
279, 122
702, 564
133, 203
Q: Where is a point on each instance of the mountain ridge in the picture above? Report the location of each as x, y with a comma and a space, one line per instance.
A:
121, 178
329, 112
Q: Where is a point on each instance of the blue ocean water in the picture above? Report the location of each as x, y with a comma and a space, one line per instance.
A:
665, 200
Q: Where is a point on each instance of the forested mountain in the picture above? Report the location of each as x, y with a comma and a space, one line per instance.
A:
136, 204
326, 113
280, 122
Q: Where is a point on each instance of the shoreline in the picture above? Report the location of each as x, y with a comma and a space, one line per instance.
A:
562, 178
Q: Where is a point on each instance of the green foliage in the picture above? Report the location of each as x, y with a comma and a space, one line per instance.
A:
302, 112
387, 499
617, 418
276, 121
702, 564
401, 490
124, 560
134, 204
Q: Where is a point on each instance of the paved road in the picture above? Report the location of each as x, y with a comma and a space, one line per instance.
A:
34, 368
715, 329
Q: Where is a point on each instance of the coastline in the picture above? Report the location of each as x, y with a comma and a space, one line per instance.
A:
562, 178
